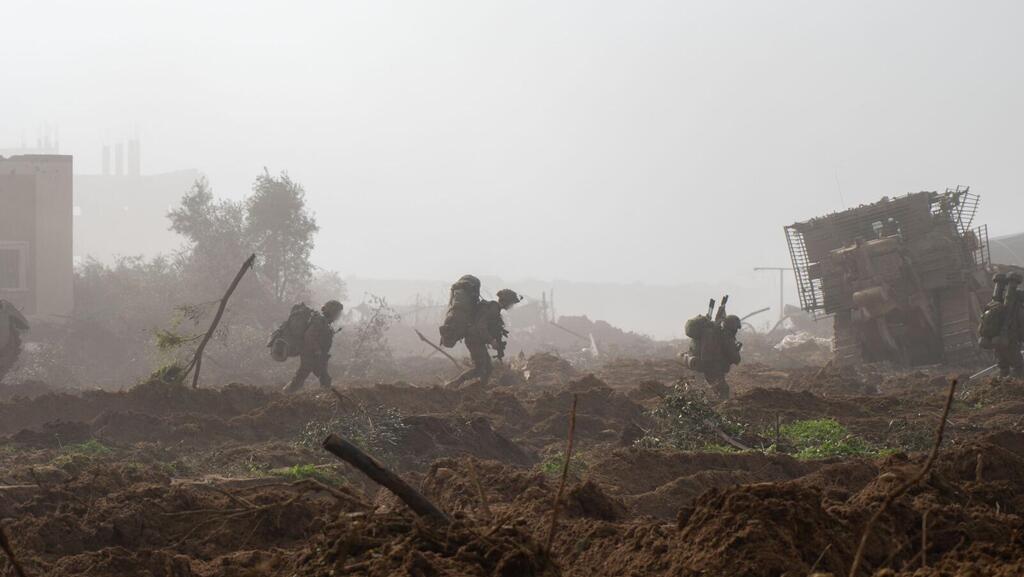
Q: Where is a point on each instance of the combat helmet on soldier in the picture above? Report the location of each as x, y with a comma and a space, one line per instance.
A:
507, 298
332, 310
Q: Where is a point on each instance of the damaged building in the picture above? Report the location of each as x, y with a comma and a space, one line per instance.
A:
904, 279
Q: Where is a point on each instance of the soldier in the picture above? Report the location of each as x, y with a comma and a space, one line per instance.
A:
713, 347
12, 324
487, 329
1007, 344
316, 347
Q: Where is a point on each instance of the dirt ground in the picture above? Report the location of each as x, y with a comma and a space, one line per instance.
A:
165, 481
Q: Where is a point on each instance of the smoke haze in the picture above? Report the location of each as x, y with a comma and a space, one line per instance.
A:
655, 142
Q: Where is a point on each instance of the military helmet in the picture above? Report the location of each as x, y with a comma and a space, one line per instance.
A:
332, 307
732, 323
508, 297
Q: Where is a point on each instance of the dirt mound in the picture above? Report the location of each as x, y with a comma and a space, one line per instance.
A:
395, 544
548, 370
602, 413
627, 373
450, 483
112, 518
26, 389
659, 483
764, 529
428, 438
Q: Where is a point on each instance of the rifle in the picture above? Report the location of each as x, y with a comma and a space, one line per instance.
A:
500, 344
720, 315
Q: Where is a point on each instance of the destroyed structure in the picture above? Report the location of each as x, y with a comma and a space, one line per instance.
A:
905, 279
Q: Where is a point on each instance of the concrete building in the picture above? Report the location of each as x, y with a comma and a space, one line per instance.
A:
36, 246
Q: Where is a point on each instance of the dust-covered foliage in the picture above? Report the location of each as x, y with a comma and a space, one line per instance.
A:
685, 419
377, 430
134, 315
280, 230
366, 351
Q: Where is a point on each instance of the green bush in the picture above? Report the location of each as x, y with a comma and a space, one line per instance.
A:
686, 420
824, 438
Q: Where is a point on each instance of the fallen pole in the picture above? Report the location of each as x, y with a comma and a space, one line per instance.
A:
369, 466
197, 359
439, 349
983, 372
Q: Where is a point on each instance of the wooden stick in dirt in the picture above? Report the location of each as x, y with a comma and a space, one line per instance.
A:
438, 349
479, 488
369, 466
924, 540
556, 506
818, 560
197, 359
899, 491
729, 439
5, 544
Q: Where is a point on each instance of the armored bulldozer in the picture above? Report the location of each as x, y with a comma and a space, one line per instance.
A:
905, 279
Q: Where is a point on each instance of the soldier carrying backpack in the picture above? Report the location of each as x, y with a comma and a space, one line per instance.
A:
713, 346
479, 323
307, 334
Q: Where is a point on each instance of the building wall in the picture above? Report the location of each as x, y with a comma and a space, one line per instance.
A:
51, 262
18, 233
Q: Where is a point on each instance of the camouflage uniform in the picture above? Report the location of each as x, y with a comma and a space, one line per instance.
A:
1007, 349
715, 352
488, 328
316, 350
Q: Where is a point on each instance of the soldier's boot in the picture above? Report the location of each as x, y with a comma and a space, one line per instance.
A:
718, 385
293, 386
459, 380
722, 390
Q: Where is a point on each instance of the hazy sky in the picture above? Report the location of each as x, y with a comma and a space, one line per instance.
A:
659, 142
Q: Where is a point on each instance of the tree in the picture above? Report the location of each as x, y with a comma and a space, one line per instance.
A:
327, 285
281, 231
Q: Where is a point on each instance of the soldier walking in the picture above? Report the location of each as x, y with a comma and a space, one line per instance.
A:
713, 347
316, 344
486, 330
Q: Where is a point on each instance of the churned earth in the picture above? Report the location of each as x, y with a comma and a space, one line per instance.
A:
163, 480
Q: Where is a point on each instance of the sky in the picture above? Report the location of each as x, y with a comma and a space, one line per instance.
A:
594, 141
